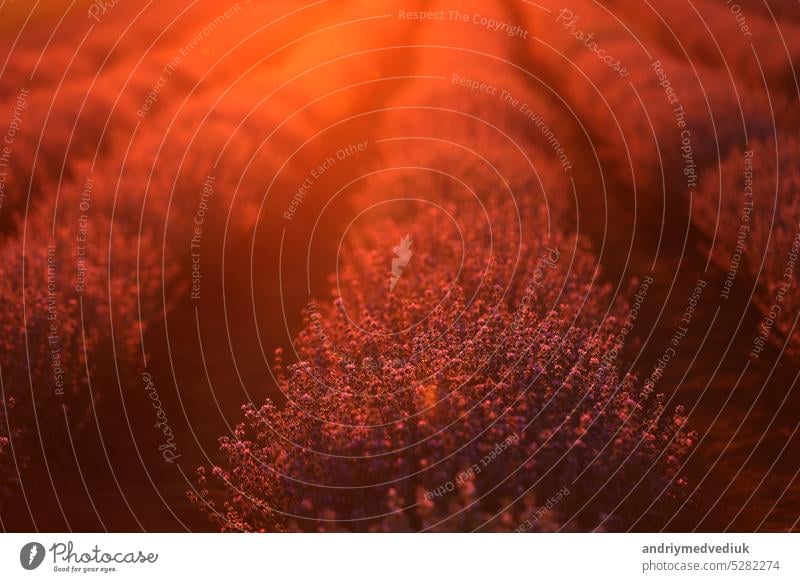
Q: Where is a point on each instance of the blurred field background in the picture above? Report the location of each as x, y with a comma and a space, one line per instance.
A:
258, 95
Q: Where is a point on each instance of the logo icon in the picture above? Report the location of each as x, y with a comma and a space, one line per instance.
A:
31, 555
403, 252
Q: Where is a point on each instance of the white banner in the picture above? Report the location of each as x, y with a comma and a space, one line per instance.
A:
400, 557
